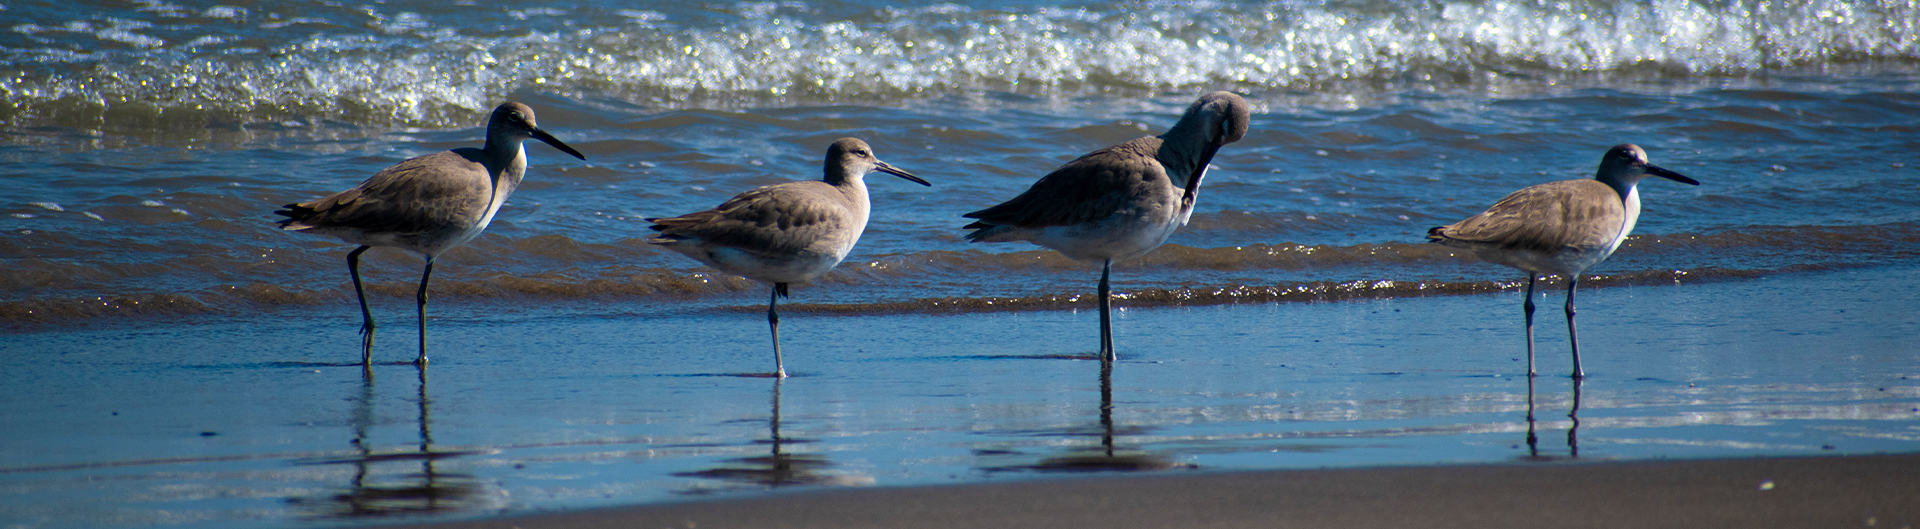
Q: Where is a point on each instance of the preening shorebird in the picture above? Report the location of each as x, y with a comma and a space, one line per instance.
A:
1120, 202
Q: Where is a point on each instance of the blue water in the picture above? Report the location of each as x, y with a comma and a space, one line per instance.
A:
227, 423
1299, 321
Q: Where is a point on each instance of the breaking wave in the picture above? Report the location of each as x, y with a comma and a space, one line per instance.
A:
164, 65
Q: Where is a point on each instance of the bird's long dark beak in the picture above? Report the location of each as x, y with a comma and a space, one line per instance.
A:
1655, 170
555, 142
895, 171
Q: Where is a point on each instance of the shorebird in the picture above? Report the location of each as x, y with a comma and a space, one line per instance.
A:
1120, 202
1560, 228
783, 233
426, 205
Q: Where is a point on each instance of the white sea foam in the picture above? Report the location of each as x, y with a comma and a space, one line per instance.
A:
433, 67
225, 12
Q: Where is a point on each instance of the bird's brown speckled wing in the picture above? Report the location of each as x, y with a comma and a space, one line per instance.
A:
1087, 189
769, 220
407, 198
1543, 218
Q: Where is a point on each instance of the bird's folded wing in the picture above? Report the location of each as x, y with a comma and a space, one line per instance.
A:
773, 220
1086, 189
1546, 217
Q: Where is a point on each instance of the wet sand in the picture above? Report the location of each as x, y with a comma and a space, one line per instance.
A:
1856, 491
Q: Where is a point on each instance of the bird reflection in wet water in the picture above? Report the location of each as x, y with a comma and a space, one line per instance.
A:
775, 470
385, 483
1573, 427
1091, 459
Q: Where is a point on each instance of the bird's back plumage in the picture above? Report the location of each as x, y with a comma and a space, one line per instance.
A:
1559, 227
416, 197
1544, 217
1122, 201
1087, 189
771, 221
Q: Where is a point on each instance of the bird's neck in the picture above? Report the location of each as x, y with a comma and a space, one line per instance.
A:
511, 160
854, 188
839, 177
1185, 163
1621, 186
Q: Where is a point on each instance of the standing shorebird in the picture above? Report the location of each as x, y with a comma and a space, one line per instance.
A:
784, 233
427, 204
1561, 228
1120, 202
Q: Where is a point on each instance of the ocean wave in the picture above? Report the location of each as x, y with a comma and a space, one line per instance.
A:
427, 65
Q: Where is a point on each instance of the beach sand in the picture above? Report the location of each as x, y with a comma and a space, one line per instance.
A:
1857, 491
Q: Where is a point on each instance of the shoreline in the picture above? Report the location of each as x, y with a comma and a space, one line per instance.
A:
1809, 491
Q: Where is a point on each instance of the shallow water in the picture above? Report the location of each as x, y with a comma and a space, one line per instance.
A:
1298, 321
220, 423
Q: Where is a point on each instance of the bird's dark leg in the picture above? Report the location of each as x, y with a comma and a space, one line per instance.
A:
1572, 335
366, 315
1106, 319
773, 322
420, 298
1529, 306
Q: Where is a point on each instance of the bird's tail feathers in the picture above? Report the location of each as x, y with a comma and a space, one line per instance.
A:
984, 232
296, 217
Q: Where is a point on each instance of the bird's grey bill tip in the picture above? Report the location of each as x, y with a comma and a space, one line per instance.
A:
1670, 175
556, 143
895, 171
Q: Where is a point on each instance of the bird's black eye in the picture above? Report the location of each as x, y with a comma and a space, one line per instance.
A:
861, 153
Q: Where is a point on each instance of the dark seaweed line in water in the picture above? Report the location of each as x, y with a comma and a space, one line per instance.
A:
1814, 248
23, 315
1298, 292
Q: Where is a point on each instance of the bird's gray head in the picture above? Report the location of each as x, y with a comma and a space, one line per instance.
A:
852, 159
513, 122
1626, 164
1221, 116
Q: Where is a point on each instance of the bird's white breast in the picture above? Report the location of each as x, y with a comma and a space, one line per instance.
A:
1632, 205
